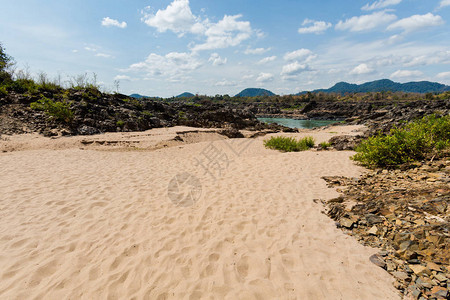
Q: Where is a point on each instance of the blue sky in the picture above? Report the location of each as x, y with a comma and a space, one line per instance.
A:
166, 47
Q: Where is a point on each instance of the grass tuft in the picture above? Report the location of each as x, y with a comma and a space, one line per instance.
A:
289, 144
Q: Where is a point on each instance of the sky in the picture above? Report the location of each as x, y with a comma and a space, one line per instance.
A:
166, 47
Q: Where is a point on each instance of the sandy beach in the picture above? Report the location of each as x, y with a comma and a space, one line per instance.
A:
177, 213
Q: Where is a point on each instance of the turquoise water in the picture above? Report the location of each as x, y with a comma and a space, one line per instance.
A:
308, 124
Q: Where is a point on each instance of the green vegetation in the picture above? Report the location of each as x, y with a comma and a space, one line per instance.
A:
289, 144
56, 109
120, 123
413, 141
325, 145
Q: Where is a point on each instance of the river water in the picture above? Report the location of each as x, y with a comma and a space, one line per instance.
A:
292, 123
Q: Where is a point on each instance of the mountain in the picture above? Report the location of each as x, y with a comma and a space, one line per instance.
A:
185, 95
385, 85
255, 92
137, 96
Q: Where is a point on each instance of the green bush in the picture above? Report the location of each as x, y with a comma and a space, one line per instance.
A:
23, 86
289, 144
414, 141
3, 91
325, 145
120, 123
59, 110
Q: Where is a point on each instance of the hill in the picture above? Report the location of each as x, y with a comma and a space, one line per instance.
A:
385, 85
185, 95
252, 92
137, 96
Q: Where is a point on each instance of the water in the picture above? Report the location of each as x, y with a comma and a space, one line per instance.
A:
292, 123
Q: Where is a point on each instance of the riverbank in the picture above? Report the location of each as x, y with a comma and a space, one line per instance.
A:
97, 218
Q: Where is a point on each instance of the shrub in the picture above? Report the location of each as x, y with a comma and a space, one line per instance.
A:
120, 123
325, 145
403, 145
289, 144
23, 86
3, 91
59, 110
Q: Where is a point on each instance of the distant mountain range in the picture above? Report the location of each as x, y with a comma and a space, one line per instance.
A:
385, 85
255, 92
137, 96
185, 95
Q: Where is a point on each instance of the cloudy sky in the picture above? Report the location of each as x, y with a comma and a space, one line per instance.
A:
166, 47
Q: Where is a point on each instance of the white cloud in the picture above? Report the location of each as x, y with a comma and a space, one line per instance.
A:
294, 69
317, 27
406, 74
90, 49
217, 60
108, 22
225, 83
256, 51
228, 32
122, 77
265, 77
443, 75
435, 58
177, 17
417, 22
300, 54
103, 55
366, 22
444, 3
380, 4
361, 69
171, 64
267, 59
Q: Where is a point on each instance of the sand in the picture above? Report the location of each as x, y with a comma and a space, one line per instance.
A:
110, 220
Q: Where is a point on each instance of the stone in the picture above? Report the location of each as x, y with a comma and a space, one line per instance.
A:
418, 269
400, 275
373, 230
377, 260
414, 291
423, 282
433, 266
347, 223
439, 292
373, 219
440, 277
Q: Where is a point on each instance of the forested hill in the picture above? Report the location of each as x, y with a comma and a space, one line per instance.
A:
253, 92
385, 85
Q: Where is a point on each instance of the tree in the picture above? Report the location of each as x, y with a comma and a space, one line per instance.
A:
5, 59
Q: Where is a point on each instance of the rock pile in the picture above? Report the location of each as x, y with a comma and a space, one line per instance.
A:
406, 214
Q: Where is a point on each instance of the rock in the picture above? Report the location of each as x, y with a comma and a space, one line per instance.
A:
373, 230
433, 266
401, 275
347, 223
231, 133
377, 260
414, 291
423, 282
418, 269
439, 292
87, 130
344, 142
440, 277
373, 219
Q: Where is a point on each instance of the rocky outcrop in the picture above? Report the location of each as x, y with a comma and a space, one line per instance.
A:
406, 214
95, 112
